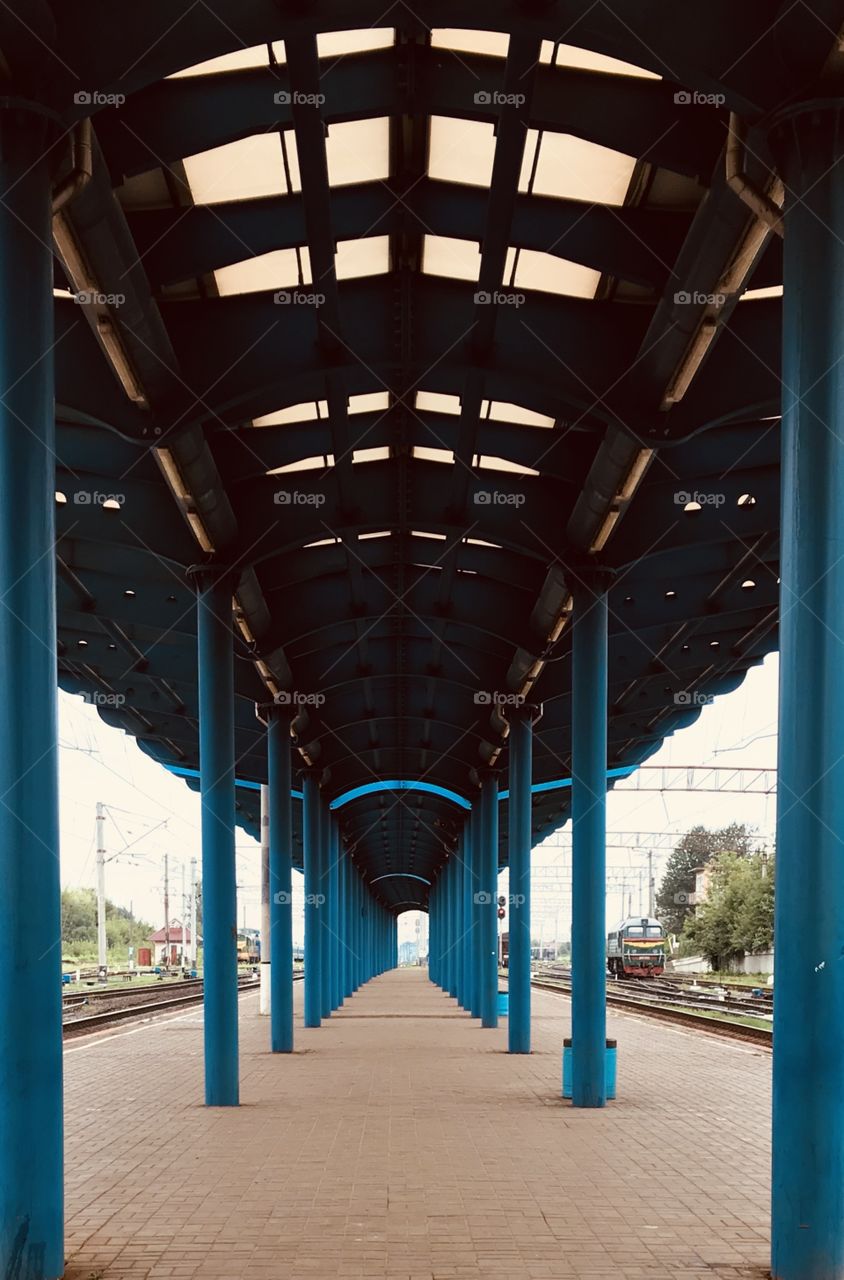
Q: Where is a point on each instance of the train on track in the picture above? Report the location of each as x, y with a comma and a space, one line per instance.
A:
636, 949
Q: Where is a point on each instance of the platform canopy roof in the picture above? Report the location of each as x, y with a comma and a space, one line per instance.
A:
409, 318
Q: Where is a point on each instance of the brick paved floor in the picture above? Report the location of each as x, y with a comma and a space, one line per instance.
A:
400, 1140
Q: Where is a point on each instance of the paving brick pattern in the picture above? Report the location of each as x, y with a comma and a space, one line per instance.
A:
401, 1140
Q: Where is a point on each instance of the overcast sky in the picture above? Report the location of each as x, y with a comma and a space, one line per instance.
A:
150, 813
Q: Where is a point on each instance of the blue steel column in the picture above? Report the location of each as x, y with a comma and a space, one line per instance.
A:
279, 778
342, 953
432, 932
448, 953
325, 907
313, 861
466, 923
808, 1099
487, 904
519, 842
476, 909
334, 908
453, 924
458, 922
219, 876
589, 853
31, 1233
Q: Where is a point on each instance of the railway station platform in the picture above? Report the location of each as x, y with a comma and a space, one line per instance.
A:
400, 1139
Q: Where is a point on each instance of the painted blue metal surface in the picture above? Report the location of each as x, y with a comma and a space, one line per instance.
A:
457, 921
521, 751
487, 901
219, 874
466, 917
326, 957
808, 1101
313, 893
589, 802
335, 909
281, 882
477, 881
31, 1192
399, 784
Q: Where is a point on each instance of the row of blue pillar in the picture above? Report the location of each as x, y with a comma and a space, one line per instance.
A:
808, 1101
463, 902
350, 936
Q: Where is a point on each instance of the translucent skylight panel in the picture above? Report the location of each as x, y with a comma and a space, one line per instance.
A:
382, 533
421, 533
576, 169
445, 256
243, 170
294, 413
358, 151
571, 55
376, 454
479, 542
369, 257
370, 402
322, 542
315, 463
461, 151
464, 40
490, 463
278, 269
549, 274
432, 455
336, 44
239, 60
501, 411
437, 402
768, 291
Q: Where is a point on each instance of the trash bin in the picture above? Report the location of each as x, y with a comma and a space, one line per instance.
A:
503, 1004
609, 1067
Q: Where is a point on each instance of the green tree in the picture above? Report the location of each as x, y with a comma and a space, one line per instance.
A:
737, 918
695, 849
79, 928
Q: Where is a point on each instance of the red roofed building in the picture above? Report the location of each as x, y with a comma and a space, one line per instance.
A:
158, 942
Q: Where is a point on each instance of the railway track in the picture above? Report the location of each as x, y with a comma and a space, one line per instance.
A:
664, 1008
136, 1010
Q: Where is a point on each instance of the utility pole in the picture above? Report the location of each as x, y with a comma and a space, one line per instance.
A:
193, 945
102, 958
651, 905
166, 911
182, 949
264, 993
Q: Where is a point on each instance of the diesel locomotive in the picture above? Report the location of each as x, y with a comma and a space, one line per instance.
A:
636, 949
